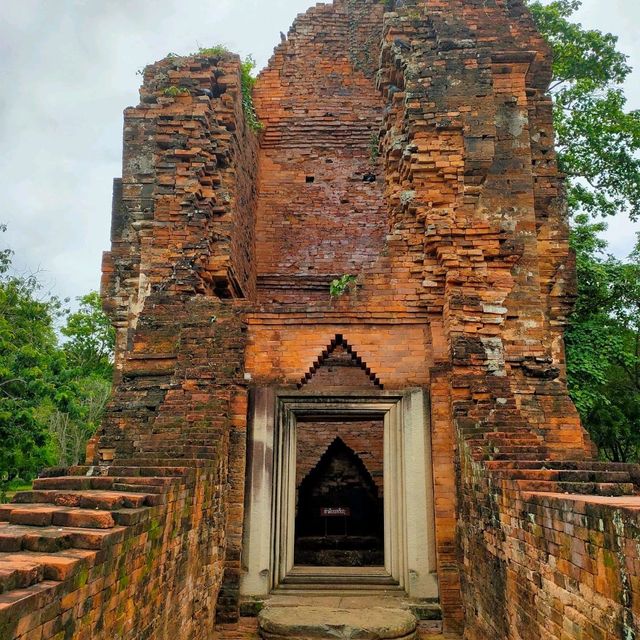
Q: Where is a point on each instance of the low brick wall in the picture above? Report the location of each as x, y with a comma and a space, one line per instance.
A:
154, 573
547, 565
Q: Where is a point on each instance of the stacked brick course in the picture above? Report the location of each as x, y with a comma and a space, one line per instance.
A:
412, 149
121, 555
559, 565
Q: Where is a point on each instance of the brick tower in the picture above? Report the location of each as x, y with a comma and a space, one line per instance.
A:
403, 431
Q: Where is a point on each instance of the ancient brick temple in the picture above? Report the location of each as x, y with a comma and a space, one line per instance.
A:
411, 434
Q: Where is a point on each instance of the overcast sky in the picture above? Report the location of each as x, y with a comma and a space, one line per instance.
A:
68, 69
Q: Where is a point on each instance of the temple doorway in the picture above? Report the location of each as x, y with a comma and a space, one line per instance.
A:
339, 492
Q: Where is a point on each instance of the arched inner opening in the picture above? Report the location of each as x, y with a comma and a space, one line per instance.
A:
340, 513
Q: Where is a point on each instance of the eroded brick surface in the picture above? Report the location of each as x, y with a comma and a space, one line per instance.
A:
128, 577
559, 565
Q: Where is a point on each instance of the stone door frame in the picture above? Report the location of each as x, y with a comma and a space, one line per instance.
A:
409, 521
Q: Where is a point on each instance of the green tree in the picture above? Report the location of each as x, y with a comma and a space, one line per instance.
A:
598, 141
90, 338
603, 343
52, 395
30, 366
89, 350
597, 138
71, 429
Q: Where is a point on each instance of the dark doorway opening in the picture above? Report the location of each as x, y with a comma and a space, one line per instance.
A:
340, 518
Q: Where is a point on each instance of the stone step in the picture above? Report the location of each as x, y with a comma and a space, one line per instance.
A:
75, 483
324, 591
24, 569
213, 440
53, 539
178, 433
87, 499
501, 429
564, 476
165, 465
126, 468
19, 574
181, 451
105, 483
565, 465
525, 438
160, 467
319, 580
579, 488
173, 448
348, 587
324, 623
44, 515
507, 465
589, 465
518, 454
173, 439
526, 447
504, 442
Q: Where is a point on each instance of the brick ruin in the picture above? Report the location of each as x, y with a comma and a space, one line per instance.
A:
409, 144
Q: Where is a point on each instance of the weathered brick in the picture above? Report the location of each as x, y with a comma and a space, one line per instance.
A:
414, 150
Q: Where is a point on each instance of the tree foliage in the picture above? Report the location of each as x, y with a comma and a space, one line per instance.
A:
598, 142
90, 338
30, 368
53, 389
598, 139
603, 343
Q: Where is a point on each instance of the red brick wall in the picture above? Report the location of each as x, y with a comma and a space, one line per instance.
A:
183, 212
398, 355
560, 566
321, 112
467, 170
157, 575
180, 265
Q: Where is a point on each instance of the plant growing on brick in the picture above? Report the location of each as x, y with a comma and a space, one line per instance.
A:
374, 146
174, 91
248, 82
213, 52
341, 285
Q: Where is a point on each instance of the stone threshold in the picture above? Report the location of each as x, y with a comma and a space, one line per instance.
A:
247, 629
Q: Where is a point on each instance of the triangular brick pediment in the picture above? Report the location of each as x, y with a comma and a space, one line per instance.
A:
340, 366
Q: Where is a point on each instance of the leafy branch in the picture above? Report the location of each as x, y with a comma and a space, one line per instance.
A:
341, 285
248, 82
598, 139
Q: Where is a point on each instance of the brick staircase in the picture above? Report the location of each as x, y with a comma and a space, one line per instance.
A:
52, 537
507, 444
177, 444
518, 454
574, 477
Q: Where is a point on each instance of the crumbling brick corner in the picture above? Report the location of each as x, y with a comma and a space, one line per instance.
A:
160, 534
